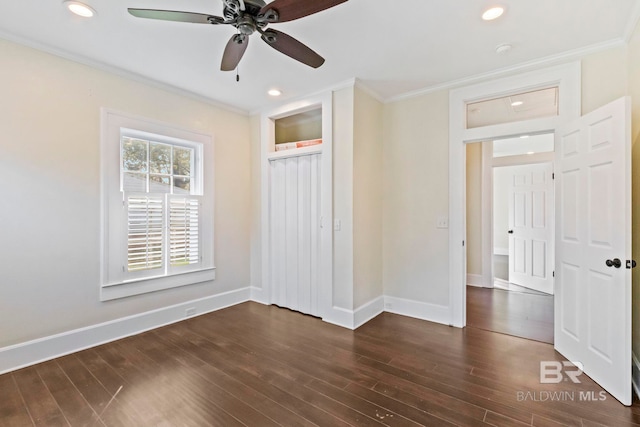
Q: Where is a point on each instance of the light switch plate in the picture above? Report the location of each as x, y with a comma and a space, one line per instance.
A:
443, 222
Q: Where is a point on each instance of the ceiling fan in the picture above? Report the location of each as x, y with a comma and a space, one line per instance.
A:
249, 16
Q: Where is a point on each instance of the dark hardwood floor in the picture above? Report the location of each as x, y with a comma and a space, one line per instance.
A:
255, 365
519, 314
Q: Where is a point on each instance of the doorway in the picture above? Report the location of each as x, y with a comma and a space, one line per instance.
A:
510, 244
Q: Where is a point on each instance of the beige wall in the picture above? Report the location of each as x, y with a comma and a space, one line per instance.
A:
367, 198
604, 78
474, 208
343, 128
50, 209
256, 203
415, 194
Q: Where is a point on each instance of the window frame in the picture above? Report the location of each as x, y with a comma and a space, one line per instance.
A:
116, 281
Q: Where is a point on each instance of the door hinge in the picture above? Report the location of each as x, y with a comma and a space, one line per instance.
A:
463, 243
553, 176
631, 263
553, 274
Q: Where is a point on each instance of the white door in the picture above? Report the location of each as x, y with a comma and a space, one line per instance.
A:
593, 234
294, 221
531, 226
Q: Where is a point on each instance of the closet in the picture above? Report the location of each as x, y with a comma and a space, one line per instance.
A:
295, 211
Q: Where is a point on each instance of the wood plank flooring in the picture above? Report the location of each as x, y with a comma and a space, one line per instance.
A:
520, 314
254, 365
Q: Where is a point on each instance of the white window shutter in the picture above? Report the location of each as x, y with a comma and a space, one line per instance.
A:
184, 231
145, 232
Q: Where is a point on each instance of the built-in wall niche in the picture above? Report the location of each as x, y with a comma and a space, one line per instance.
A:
299, 130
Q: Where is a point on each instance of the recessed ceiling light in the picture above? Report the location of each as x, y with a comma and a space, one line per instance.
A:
493, 13
530, 152
80, 9
516, 103
524, 136
274, 92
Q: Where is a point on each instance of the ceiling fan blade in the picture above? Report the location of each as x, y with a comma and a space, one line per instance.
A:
288, 10
234, 51
173, 15
292, 47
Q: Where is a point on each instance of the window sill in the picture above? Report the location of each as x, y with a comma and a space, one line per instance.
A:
137, 287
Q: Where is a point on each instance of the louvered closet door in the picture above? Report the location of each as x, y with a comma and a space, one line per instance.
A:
295, 232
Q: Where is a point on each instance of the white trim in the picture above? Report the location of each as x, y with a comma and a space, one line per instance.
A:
635, 374
363, 87
112, 216
295, 152
523, 159
419, 310
340, 317
259, 295
501, 251
368, 311
567, 78
568, 56
475, 280
634, 19
486, 195
501, 283
267, 147
40, 350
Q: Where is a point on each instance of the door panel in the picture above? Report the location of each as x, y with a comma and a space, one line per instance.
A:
295, 232
593, 301
531, 226
569, 315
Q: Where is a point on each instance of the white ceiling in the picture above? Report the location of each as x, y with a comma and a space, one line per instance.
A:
392, 47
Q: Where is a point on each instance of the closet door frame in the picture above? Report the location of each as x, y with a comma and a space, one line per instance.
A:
260, 290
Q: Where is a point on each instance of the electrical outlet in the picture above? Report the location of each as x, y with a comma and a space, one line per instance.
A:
191, 311
337, 225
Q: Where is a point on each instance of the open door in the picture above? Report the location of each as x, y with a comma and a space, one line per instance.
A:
593, 244
531, 227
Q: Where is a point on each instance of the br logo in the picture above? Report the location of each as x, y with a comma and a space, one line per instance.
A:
554, 372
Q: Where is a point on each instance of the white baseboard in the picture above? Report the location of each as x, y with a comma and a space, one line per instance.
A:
368, 311
353, 319
419, 310
40, 350
340, 317
259, 295
474, 280
635, 374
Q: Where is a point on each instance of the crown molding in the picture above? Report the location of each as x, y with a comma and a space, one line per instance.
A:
634, 19
567, 56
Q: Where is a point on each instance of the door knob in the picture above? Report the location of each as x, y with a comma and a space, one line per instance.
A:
614, 263
510, 231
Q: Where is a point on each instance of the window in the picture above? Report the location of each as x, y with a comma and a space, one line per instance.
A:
158, 216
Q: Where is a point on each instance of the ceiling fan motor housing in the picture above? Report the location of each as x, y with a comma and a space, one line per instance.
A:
233, 9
